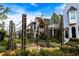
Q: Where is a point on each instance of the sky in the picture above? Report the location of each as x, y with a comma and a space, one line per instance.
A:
32, 10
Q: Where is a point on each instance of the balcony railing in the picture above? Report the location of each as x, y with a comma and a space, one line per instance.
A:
54, 25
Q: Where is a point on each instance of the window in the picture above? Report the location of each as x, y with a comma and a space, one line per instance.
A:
41, 26
72, 15
34, 25
55, 21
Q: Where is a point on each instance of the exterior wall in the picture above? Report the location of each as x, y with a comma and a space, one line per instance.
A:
41, 30
66, 18
52, 25
70, 32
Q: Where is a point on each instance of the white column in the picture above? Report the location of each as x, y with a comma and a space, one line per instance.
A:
70, 32
77, 36
52, 32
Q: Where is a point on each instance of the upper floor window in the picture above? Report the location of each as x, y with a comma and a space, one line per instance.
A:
41, 26
55, 21
34, 25
72, 14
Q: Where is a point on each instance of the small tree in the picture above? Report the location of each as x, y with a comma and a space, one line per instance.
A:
3, 15
3, 12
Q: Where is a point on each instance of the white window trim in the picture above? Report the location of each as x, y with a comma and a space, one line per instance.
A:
73, 20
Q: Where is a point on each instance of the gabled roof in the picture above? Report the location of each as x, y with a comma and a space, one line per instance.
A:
31, 23
72, 8
42, 21
56, 17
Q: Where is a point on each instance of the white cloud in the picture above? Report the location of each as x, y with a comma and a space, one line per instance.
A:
17, 17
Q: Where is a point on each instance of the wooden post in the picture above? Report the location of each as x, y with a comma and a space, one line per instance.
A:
14, 36
62, 31
10, 35
47, 34
13, 30
31, 32
23, 32
37, 36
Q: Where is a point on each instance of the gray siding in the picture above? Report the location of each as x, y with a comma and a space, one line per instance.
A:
65, 14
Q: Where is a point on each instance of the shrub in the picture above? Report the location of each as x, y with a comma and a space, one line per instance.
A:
34, 52
2, 34
42, 44
22, 53
57, 53
54, 40
53, 44
47, 52
3, 42
2, 49
41, 52
26, 53
70, 50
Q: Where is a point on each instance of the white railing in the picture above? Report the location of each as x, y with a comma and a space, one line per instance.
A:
54, 25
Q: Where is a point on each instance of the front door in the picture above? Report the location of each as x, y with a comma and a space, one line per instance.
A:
55, 33
50, 32
73, 32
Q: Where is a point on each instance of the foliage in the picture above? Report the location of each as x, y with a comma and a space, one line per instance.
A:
2, 33
71, 51
3, 43
59, 34
50, 52
41, 52
22, 53
4, 11
45, 52
52, 39
2, 49
73, 42
18, 41
54, 44
28, 35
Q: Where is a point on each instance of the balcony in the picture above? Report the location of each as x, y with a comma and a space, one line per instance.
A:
54, 26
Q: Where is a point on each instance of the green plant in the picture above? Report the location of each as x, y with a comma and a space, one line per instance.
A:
70, 50
57, 53
2, 49
44, 52
53, 44
47, 52
54, 40
4, 43
34, 52
22, 53
41, 52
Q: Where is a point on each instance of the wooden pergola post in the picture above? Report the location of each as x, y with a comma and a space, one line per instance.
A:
23, 32
62, 31
10, 42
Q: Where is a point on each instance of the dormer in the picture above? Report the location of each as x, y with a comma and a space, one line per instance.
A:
72, 14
